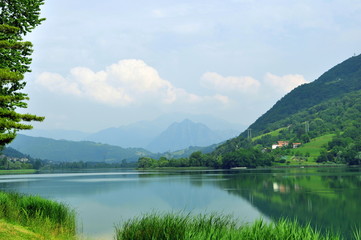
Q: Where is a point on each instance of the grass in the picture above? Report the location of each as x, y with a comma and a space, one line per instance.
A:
214, 227
273, 133
18, 171
16, 232
44, 218
315, 146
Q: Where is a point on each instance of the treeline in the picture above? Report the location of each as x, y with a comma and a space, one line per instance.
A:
10, 159
344, 148
242, 157
87, 165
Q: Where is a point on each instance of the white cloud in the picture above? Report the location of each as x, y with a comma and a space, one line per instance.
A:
126, 82
231, 83
55, 82
284, 83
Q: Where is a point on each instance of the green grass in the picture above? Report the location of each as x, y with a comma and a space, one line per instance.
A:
273, 133
207, 227
314, 147
16, 232
18, 171
46, 218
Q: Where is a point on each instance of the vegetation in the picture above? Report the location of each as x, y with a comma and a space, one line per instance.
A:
323, 116
71, 151
337, 82
310, 195
10, 159
240, 158
43, 218
17, 18
183, 227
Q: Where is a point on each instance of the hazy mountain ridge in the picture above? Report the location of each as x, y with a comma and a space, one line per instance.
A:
86, 151
144, 134
72, 151
181, 135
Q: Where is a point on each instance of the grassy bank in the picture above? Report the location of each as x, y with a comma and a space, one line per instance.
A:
18, 171
208, 227
33, 217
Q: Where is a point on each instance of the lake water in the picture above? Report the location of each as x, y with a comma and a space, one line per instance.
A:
328, 198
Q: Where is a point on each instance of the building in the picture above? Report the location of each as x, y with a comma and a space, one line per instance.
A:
280, 144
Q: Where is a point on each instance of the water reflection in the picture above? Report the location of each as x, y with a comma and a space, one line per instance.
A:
327, 197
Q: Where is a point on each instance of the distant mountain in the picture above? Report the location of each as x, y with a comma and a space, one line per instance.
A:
134, 135
183, 135
140, 134
146, 133
71, 151
13, 153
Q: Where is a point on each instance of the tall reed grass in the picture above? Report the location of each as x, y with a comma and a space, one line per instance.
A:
172, 226
48, 218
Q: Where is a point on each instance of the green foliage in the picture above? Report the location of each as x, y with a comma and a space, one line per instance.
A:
24, 15
40, 215
338, 81
183, 227
10, 159
344, 148
250, 158
16, 19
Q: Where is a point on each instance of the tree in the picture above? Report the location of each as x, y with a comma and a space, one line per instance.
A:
17, 18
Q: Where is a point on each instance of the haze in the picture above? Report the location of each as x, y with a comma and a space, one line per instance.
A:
99, 64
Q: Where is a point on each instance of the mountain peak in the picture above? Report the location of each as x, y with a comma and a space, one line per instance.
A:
180, 135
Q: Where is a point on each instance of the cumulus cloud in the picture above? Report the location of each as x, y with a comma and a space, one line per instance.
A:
251, 86
121, 84
284, 83
231, 83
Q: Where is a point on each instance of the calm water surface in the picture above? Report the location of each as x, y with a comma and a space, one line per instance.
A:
327, 197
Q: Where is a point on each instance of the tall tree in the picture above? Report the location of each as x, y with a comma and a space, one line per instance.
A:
17, 18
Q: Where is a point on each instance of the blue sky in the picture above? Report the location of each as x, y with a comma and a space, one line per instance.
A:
100, 64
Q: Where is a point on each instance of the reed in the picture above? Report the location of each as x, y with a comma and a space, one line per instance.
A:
48, 218
173, 226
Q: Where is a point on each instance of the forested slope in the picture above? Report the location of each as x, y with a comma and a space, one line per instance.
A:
340, 80
329, 105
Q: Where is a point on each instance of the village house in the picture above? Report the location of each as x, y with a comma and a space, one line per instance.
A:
296, 145
280, 144
285, 143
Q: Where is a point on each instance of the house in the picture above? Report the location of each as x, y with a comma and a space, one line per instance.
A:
280, 144
296, 145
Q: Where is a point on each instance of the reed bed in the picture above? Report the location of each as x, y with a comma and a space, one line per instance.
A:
173, 226
50, 219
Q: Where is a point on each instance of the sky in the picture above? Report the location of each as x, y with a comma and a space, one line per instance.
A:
100, 64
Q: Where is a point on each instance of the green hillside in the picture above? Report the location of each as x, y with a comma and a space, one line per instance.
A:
340, 80
71, 151
323, 115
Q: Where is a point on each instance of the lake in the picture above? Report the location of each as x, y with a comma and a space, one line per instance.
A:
328, 197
